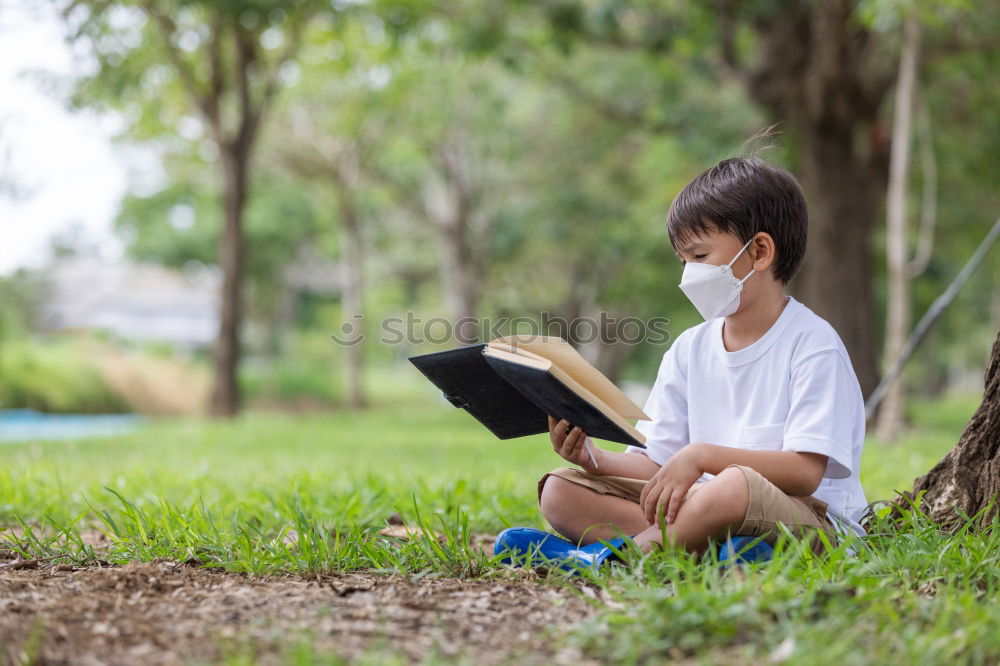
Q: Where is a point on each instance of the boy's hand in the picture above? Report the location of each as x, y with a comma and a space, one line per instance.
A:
568, 442
665, 492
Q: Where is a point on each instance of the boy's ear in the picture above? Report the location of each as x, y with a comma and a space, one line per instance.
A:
763, 251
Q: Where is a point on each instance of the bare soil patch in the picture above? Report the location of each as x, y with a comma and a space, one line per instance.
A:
170, 613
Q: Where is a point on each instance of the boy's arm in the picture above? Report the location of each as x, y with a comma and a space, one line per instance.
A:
630, 465
797, 474
571, 443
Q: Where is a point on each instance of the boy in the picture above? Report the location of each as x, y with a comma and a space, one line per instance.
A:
756, 414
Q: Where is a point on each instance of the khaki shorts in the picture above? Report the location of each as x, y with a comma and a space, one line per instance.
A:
768, 505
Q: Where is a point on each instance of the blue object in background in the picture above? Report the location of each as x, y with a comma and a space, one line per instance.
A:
24, 425
735, 550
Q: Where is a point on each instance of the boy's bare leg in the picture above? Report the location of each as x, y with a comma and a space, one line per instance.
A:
717, 507
584, 516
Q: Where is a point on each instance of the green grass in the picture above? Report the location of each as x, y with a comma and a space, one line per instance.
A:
229, 494
299, 493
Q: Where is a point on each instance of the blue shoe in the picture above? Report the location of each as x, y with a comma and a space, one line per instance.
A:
735, 550
534, 547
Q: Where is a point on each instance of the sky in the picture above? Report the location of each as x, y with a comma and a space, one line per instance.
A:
72, 175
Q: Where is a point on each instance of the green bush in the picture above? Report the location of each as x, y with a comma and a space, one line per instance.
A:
292, 380
54, 376
307, 372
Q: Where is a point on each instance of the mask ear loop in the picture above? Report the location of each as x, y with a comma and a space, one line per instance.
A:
730, 264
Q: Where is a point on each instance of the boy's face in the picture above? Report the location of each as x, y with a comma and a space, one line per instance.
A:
719, 248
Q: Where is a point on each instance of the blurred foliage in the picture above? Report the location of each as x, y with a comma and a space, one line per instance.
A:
21, 296
578, 122
54, 377
96, 374
180, 224
303, 377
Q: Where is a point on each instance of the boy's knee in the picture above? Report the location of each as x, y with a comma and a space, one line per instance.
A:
554, 495
728, 492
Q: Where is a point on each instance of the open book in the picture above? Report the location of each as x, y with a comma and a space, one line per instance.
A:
511, 385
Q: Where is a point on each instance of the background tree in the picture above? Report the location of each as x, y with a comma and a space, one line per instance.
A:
334, 120
823, 70
453, 124
178, 225
954, 212
225, 61
898, 262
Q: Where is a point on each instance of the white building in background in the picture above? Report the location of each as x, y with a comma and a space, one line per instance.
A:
132, 301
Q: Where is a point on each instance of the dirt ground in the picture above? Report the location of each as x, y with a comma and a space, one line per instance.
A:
170, 613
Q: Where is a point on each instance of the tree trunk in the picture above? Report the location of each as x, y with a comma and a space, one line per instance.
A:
967, 479
898, 306
836, 275
461, 273
460, 277
352, 265
225, 400
228, 77
995, 301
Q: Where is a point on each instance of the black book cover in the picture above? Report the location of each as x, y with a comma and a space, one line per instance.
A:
512, 400
468, 381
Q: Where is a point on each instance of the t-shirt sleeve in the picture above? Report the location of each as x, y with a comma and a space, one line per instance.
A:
823, 411
667, 430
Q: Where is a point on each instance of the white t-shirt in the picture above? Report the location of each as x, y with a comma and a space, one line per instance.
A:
792, 390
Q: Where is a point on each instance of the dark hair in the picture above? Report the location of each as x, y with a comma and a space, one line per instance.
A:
744, 196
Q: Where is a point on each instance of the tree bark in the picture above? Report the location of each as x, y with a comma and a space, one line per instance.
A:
225, 397
898, 306
967, 479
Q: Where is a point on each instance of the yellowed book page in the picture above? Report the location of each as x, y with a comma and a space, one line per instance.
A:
510, 354
534, 361
562, 355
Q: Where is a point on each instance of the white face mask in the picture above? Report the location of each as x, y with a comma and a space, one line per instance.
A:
713, 290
